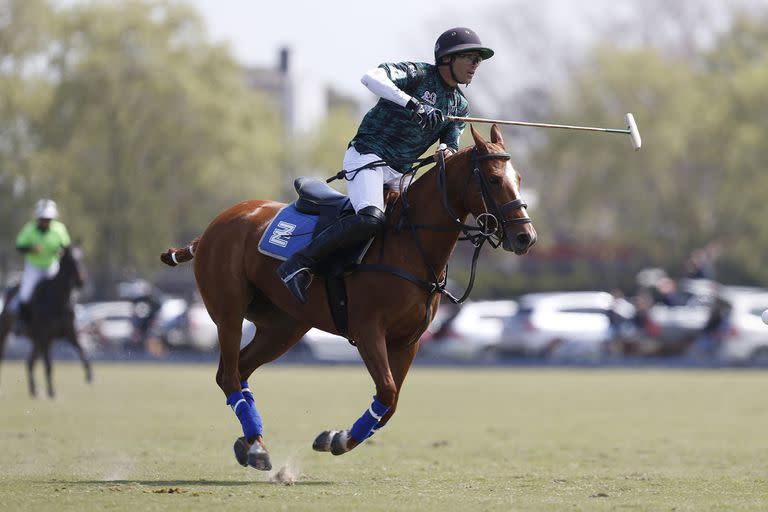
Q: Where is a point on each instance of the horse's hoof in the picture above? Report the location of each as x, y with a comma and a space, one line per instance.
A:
323, 441
241, 451
339, 443
258, 458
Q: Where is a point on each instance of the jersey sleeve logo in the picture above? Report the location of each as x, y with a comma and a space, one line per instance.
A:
429, 97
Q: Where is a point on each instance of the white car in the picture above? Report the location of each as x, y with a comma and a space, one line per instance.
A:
744, 336
105, 325
474, 331
561, 323
325, 346
316, 344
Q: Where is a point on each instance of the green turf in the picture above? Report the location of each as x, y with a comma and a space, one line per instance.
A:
157, 437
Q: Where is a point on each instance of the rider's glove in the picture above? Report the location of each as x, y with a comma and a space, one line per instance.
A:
427, 116
445, 150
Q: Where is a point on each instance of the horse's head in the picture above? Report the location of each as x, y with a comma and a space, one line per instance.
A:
494, 194
71, 267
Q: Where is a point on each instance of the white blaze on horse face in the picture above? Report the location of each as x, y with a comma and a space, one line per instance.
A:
512, 177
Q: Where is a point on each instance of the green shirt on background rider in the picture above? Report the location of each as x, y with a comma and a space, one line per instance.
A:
44, 246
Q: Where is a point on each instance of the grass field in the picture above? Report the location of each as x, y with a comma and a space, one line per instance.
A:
158, 437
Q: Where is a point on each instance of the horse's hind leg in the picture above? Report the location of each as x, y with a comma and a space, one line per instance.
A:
249, 449
71, 336
272, 339
6, 323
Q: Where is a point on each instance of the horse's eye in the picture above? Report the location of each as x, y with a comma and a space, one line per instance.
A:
495, 180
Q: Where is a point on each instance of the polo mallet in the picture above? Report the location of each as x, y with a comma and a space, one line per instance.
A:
630, 130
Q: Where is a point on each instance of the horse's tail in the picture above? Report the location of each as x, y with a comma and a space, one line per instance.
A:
174, 256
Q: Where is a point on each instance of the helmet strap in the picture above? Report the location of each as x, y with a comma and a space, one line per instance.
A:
450, 67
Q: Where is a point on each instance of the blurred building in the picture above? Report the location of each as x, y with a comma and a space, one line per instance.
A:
302, 100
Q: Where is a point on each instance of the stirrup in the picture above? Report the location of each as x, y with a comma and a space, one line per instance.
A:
290, 276
297, 283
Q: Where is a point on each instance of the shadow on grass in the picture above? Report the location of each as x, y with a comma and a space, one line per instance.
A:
191, 483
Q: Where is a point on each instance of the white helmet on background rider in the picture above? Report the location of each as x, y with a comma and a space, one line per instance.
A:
46, 209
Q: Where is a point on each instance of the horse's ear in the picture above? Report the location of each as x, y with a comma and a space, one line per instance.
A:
479, 141
496, 135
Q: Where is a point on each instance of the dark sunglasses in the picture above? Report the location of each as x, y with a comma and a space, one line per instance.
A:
474, 58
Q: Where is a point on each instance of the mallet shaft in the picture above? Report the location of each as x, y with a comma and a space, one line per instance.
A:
543, 125
631, 129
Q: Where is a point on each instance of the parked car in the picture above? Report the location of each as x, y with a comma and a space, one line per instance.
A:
561, 324
743, 337
105, 325
190, 328
437, 328
473, 331
324, 346
669, 329
315, 345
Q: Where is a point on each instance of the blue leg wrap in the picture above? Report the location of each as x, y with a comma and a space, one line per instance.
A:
365, 425
374, 430
247, 392
247, 414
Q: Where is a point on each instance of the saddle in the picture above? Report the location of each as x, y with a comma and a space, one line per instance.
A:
315, 197
317, 206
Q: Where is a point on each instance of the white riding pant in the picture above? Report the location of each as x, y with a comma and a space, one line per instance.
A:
31, 276
366, 188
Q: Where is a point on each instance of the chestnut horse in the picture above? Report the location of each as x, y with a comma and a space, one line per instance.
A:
400, 277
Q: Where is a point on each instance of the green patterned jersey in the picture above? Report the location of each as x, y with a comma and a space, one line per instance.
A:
389, 130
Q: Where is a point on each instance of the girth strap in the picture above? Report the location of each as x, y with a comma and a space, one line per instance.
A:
429, 287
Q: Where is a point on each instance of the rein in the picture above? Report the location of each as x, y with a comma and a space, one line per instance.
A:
486, 231
351, 174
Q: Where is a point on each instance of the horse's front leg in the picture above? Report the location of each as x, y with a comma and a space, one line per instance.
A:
71, 336
46, 352
31, 368
400, 362
373, 350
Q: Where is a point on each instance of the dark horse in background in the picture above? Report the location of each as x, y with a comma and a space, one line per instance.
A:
392, 297
49, 315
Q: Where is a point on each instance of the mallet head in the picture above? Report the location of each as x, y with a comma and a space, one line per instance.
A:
634, 133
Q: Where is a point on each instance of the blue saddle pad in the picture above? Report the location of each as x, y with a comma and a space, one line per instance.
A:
288, 232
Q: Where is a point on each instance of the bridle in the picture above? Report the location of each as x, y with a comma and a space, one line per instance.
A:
489, 229
489, 226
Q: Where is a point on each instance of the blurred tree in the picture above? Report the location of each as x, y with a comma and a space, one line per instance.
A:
690, 72
739, 63
25, 33
700, 175
149, 133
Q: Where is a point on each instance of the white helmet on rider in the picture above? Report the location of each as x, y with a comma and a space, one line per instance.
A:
46, 209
